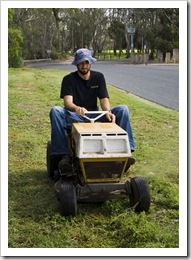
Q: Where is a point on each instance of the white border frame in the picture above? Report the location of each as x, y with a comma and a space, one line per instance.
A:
182, 250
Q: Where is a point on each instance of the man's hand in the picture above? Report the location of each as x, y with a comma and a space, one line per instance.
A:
80, 111
110, 117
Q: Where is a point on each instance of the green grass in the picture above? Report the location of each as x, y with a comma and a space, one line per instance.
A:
34, 211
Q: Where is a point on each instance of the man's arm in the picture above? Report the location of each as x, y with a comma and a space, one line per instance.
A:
69, 105
105, 106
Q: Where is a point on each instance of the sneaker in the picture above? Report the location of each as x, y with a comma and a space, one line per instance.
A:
131, 161
65, 166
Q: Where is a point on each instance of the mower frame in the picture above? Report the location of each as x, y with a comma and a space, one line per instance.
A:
99, 153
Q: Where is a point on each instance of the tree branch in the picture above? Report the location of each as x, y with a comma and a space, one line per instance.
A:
167, 16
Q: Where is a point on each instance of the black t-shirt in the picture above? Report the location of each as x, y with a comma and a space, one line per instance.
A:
84, 92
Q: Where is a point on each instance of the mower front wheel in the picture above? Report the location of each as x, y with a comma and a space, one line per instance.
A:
68, 199
140, 194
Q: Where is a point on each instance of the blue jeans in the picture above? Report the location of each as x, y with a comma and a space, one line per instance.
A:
61, 119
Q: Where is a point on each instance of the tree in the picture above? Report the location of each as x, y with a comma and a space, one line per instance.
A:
67, 29
167, 34
157, 28
84, 27
38, 30
15, 40
116, 32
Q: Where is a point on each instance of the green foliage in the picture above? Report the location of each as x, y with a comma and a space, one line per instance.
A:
53, 56
116, 32
34, 211
67, 29
164, 34
10, 16
15, 40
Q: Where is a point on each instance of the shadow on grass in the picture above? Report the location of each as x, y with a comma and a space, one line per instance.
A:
32, 195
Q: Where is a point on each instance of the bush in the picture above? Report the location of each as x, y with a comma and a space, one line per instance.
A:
14, 50
53, 56
16, 62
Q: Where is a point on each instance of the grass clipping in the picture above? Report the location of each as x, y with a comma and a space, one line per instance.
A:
34, 211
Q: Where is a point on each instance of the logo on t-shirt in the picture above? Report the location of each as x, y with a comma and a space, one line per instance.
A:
94, 86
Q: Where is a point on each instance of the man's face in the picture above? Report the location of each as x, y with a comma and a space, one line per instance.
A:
84, 67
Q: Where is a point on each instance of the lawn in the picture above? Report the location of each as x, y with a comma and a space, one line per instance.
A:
34, 211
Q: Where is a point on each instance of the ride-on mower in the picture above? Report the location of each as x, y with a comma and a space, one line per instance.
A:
99, 154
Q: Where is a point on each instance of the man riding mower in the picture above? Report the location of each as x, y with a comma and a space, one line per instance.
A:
90, 151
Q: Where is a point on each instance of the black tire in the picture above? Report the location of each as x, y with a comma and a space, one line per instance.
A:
49, 161
140, 194
68, 199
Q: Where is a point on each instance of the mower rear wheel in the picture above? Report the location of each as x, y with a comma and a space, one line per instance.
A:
140, 194
68, 199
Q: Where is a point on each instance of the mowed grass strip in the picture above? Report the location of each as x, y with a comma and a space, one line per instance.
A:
34, 211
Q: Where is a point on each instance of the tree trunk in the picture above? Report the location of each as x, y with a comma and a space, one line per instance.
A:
114, 49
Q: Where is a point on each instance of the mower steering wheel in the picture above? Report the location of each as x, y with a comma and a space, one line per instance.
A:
99, 114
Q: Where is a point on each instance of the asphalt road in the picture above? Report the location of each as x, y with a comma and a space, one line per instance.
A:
156, 83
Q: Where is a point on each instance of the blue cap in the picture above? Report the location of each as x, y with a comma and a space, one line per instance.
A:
82, 55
